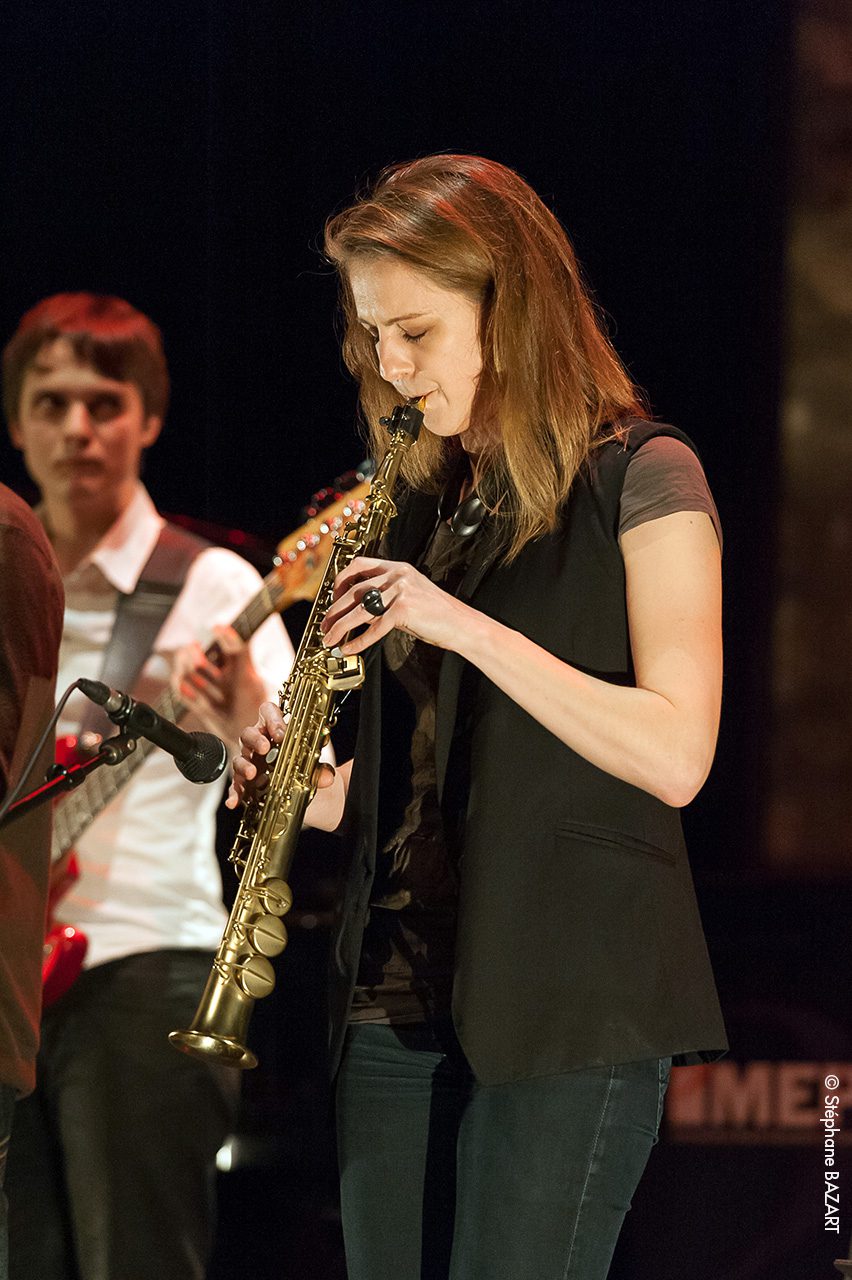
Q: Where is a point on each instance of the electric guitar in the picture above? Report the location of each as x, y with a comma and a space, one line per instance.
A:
299, 568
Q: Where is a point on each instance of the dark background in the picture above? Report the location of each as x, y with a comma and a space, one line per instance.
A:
185, 156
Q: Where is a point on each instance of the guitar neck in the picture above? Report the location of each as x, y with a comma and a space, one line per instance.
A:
76, 811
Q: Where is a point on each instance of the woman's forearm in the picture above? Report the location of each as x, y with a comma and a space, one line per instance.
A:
636, 734
659, 733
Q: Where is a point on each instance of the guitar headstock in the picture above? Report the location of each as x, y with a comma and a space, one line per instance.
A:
302, 556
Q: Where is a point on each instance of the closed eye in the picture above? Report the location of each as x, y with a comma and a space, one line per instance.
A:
407, 337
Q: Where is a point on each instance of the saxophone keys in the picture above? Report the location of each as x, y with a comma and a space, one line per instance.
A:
256, 977
279, 830
344, 671
267, 935
276, 896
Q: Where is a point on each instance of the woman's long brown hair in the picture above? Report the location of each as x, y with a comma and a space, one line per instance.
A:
550, 379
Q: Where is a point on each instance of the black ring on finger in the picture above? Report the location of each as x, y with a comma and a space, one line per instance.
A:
373, 602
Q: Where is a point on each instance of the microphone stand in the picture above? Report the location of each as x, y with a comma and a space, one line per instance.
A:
62, 777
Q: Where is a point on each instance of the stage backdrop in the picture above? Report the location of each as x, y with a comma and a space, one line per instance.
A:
809, 818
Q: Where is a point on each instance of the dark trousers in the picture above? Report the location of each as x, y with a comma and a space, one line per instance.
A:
7, 1108
442, 1177
111, 1171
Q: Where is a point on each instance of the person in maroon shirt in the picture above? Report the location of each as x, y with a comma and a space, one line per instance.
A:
31, 610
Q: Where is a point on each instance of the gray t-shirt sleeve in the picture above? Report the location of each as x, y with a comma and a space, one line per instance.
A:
662, 477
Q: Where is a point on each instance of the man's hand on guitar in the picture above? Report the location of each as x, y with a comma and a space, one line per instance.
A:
222, 692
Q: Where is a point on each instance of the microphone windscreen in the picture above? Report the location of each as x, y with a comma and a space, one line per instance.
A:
208, 762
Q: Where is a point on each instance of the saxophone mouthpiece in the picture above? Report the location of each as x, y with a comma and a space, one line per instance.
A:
406, 417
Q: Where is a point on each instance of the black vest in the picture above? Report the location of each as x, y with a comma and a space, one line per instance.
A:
579, 940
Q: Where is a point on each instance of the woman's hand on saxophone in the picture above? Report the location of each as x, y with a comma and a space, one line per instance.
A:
412, 602
250, 772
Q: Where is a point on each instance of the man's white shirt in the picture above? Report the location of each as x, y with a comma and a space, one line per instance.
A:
149, 875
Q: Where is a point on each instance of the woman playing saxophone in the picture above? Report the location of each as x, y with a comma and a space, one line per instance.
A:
519, 958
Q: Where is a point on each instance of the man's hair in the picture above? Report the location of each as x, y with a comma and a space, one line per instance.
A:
550, 377
107, 333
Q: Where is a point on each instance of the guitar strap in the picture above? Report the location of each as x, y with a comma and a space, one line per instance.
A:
140, 615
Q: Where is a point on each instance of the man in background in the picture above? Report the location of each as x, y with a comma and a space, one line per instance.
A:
113, 1177
30, 630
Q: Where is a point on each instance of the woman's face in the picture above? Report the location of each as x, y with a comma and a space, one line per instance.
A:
427, 338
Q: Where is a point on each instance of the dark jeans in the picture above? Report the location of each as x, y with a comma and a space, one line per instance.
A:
111, 1172
442, 1177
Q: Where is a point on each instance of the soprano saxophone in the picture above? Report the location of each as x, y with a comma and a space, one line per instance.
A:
269, 830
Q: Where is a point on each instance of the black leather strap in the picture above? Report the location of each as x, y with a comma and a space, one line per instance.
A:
141, 614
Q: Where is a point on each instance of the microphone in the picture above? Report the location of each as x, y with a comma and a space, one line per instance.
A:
201, 757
